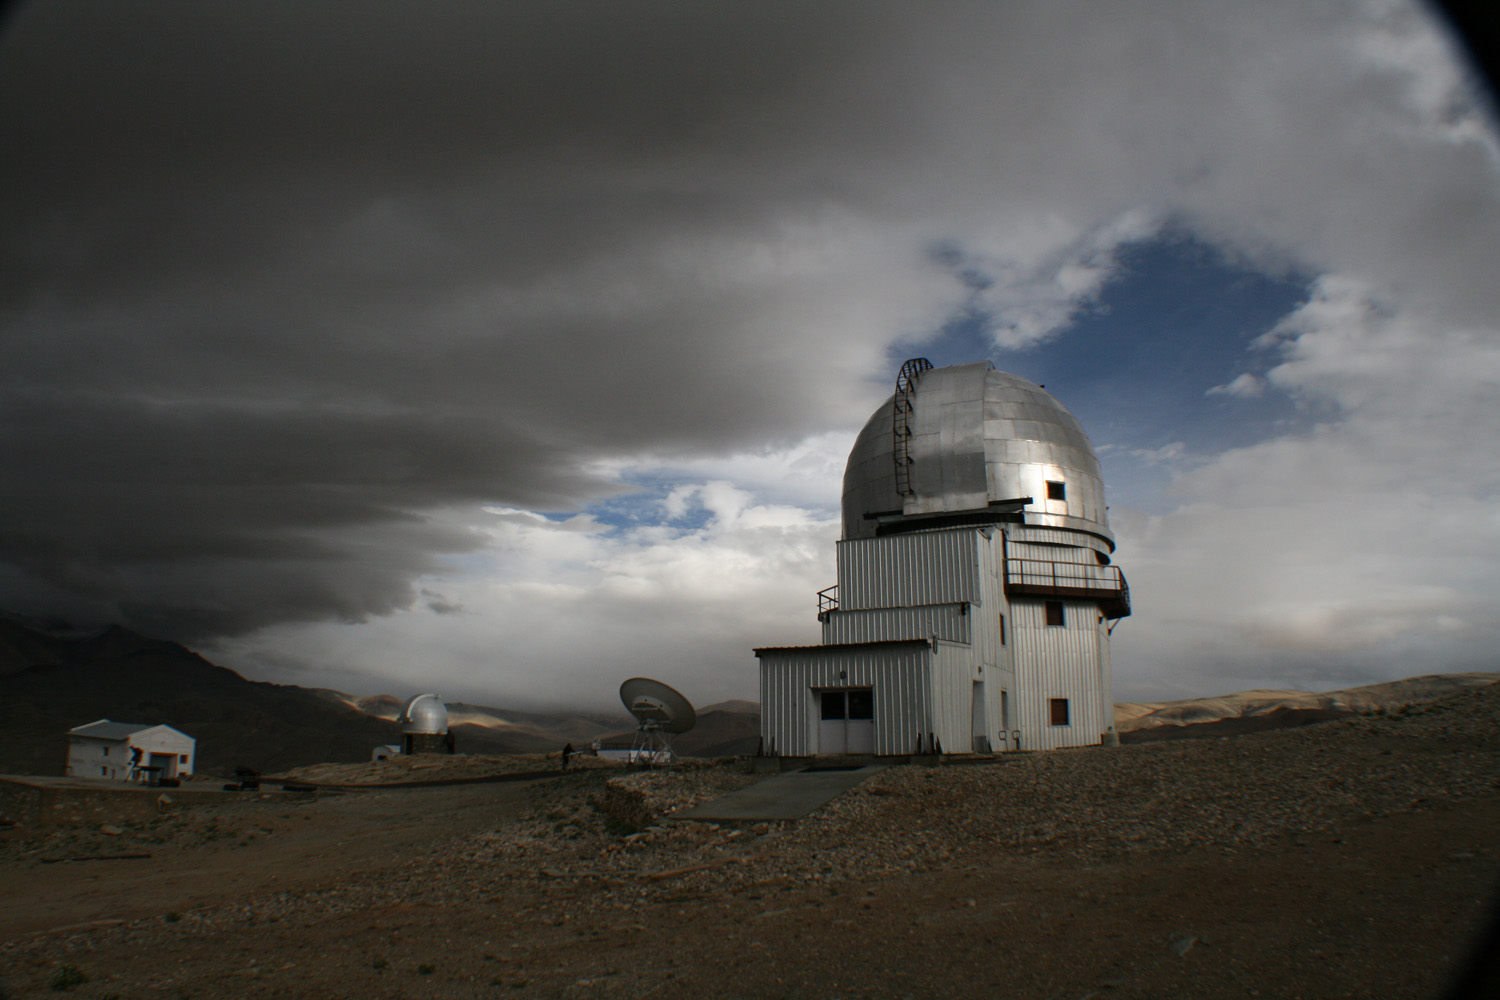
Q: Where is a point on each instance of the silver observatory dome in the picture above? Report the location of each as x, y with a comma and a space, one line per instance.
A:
425, 713
968, 443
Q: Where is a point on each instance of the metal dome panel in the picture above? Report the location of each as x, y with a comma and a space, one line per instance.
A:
425, 713
974, 436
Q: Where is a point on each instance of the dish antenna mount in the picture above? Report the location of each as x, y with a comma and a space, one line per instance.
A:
659, 710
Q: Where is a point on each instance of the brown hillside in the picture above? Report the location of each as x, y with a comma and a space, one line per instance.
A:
51, 683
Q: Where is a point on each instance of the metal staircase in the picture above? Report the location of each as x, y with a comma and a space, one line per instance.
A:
900, 421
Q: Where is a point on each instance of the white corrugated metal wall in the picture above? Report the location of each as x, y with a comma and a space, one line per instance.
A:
903, 571
946, 621
899, 674
1036, 535
990, 600
953, 677
999, 681
996, 657
1106, 681
880, 579
1037, 550
1053, 662
1043, 535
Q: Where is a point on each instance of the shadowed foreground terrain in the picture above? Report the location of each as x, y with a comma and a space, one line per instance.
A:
1344, 859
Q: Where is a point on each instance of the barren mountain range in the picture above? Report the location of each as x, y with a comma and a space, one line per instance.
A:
1247, 711
53, 678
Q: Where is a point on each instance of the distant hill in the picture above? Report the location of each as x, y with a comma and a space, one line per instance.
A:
733, 727
732, 705
1248, 711
724, 729
718, 733
53, 678
542, 730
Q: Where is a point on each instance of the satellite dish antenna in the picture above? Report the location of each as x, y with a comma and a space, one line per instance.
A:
658, 710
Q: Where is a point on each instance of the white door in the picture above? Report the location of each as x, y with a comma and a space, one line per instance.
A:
846, 721
833, 734
861, 723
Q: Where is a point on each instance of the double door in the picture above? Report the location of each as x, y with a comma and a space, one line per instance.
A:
846, 722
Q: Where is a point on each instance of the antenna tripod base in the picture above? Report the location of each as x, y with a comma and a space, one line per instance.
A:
651, 748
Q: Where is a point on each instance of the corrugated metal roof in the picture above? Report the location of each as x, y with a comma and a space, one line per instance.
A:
844, 645
106, 730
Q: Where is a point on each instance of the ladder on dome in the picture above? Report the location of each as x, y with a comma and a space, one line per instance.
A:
900, 421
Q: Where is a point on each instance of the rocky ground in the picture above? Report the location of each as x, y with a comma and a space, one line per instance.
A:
1346, 859
433, 767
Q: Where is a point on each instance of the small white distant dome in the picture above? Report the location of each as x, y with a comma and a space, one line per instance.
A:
425, 713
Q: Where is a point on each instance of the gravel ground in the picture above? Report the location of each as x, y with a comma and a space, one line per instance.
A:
435, 767
575, 890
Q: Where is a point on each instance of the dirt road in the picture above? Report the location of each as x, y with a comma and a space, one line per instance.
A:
205, 857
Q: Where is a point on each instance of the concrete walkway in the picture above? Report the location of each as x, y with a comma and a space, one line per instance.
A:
785, 796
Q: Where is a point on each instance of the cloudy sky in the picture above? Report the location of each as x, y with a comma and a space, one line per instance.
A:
509, 350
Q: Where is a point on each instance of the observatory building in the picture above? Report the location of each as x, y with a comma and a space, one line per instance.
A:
424, 726
975, 593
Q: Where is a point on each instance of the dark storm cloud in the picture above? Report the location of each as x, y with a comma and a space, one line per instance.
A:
286, 290
282, 280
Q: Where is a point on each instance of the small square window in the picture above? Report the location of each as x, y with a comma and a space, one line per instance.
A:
1055, 617
1059, 711
1056, 490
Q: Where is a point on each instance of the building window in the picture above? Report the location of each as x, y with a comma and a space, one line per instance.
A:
1002, 630
1056, 490
1055, 617
105, 751
853, 703
103, 772
1059, 711
182, 757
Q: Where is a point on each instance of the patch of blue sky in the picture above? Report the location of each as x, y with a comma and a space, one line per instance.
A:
1177, 319
645, 505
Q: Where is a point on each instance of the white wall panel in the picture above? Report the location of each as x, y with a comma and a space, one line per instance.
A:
923, 567
1052, 553
1040, 535
1054, 662
898, 673
946, 621
953, 679
985, 634
1106, 681
1000, 691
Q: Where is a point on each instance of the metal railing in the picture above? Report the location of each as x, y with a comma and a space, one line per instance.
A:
828, 600
1062, 575
1045, 577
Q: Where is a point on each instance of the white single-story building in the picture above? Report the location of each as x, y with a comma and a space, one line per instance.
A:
129, 751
